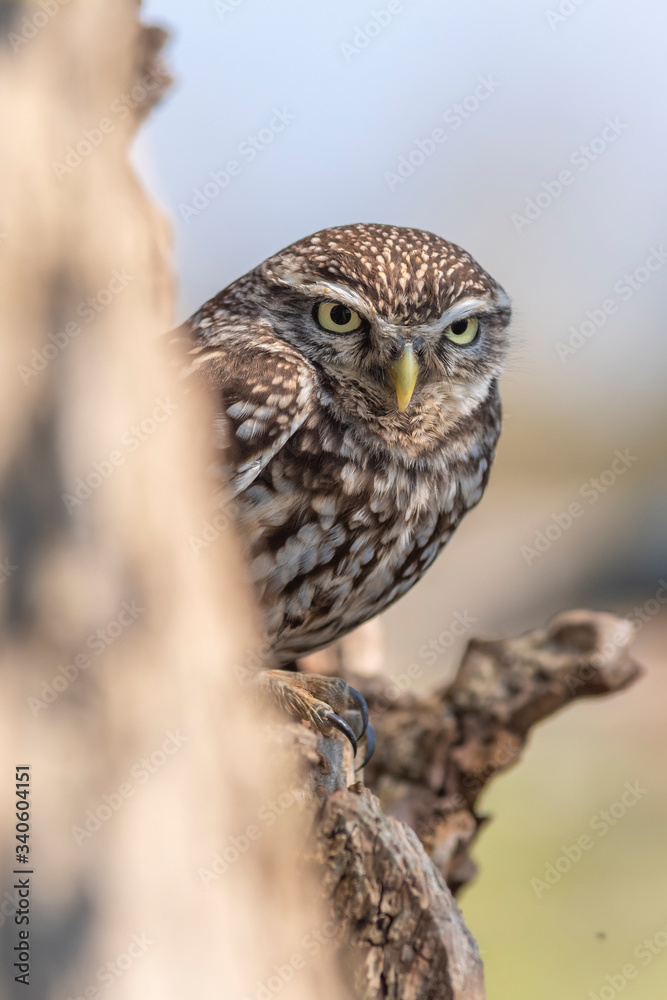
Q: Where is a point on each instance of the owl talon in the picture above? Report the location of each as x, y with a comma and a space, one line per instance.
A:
314, 699
321, 701
358, 697
343, 727
370, 747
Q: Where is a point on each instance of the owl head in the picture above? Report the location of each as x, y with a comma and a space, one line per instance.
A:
407, 332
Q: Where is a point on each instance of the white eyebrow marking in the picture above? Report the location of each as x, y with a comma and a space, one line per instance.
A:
472, 306
460, 310
314, 287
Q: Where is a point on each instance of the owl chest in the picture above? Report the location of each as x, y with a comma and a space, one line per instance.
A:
326, 527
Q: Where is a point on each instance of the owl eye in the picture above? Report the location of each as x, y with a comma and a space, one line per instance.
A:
337, 318
463, 331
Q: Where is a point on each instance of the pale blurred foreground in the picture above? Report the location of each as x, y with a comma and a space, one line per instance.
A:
147, 783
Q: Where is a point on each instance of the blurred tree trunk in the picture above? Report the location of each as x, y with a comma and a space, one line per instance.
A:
148, 781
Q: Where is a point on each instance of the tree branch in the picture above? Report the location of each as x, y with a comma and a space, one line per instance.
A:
390, 864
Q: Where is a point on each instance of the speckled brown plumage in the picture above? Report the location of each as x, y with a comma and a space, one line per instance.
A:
345, 501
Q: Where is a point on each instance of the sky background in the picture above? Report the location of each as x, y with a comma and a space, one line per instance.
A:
353, 105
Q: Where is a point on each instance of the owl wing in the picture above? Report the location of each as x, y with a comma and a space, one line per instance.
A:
266, 391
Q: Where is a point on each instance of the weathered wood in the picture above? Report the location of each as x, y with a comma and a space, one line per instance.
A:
404, 932
436, 754
390, 864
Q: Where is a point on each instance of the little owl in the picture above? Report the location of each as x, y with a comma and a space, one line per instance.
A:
357, 376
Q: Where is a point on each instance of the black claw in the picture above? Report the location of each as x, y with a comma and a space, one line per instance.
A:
341, 725
370, 747
363, 708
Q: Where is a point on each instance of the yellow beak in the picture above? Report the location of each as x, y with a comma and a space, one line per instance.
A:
403, 374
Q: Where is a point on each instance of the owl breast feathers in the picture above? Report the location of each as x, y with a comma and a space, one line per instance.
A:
357, 375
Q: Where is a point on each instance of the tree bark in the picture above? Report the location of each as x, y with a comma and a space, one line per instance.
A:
393, 861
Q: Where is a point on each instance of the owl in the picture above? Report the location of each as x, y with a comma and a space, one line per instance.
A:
357, 379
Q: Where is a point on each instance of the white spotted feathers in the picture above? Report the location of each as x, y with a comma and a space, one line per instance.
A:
344, 501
